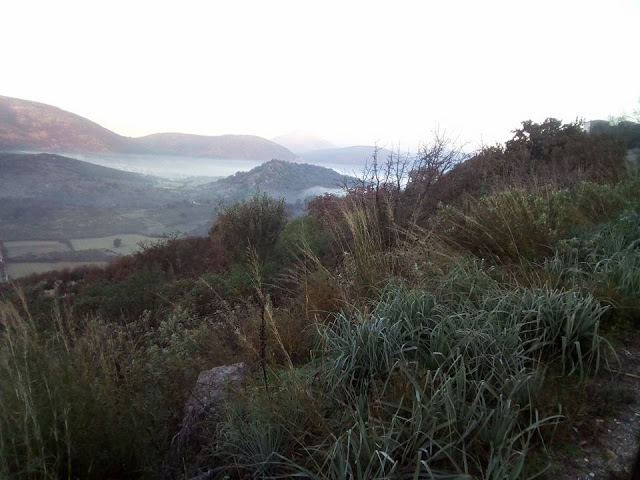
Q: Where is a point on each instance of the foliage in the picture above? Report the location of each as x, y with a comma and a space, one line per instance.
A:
396, 340
520, 224
255, 223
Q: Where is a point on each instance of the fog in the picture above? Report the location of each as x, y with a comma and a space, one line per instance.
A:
170, 167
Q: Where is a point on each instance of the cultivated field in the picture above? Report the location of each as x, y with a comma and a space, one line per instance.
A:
129, 243
35, 247
47, 255
17, 270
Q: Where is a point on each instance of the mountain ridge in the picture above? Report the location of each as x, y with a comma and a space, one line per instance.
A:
246, 147
62, 180
353, 155
300, 142
31, 126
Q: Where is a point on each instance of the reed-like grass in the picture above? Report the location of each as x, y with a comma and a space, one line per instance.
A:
518, 224
66, 409
426, 385
81, 398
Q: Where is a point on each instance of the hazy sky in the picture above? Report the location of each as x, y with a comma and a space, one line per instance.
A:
350, 71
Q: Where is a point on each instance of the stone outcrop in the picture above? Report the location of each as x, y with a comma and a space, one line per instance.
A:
211, 389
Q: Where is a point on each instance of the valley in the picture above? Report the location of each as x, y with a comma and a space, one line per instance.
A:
319, 240
58, 212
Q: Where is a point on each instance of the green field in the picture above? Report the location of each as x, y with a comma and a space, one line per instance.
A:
39, 249
129, 243
17, 270
35, 247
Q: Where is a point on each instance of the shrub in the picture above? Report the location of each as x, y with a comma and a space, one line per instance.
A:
256, 222
126, 299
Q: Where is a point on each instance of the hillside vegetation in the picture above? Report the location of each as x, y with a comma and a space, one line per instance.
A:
292, 181
446, 318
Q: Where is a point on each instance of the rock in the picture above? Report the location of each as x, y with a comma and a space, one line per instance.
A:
212, 387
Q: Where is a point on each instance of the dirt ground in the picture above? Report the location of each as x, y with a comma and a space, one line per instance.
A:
608, 445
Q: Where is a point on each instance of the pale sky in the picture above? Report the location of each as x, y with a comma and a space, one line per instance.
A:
353, 72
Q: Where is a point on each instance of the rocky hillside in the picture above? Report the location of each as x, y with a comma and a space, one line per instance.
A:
290, 180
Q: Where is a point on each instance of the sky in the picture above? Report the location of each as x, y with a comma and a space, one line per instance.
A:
353, 72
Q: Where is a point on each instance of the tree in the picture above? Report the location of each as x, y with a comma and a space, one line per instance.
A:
434, 160
254, 223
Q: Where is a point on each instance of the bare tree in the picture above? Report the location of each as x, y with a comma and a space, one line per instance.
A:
433, 161
394, 190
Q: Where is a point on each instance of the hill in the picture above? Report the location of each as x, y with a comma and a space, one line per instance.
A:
293, 181
244, 147
61, 180
347, 156
37, 127
26, 125
300, 143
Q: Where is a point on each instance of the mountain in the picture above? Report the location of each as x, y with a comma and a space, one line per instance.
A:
347, 156
243, 147
33, 126
60, 180
37, 127
293, 181
299, 142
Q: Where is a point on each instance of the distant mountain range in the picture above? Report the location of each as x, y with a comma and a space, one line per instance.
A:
241, 147
300, 143
37, 127
347, 156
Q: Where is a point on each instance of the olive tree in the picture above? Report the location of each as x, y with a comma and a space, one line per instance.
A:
254, 223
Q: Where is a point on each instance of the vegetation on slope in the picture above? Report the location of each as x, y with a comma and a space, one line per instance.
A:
409, 329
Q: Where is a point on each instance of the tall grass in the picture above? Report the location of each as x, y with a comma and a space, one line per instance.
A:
444, 379
66, 409
366, 261
82, 398
462, 378
424, 385
518, 224
605, 261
